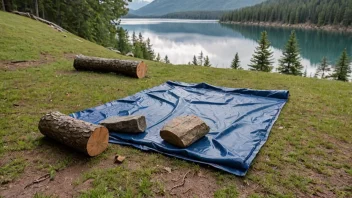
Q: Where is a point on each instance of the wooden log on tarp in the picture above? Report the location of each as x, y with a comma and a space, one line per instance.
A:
137, 69
184, 131
83, 136
125, 124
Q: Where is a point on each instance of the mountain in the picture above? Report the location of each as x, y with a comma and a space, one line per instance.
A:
162, 7
136, 4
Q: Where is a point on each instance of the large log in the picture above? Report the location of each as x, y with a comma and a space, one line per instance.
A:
184, 131
125, 124
136, 69
82, 136
29, 15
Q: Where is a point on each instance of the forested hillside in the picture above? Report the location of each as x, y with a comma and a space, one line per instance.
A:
162, 7
319, 12
183, 15
90, 19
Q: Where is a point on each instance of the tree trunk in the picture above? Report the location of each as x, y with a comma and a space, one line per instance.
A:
82, 136
3, 5
184, 131
36, 7
26, 14
136, 69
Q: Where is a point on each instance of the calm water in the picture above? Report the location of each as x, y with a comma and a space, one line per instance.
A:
182, 39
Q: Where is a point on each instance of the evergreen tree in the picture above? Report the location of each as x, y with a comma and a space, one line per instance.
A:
262, 57
236, 62
207, 62
290, 62
166, 59
138, 53
140, 38
200, 58
342, 68
322, 68
305, 74
150, 50
123, 44
195, 61
134, 39
158, 59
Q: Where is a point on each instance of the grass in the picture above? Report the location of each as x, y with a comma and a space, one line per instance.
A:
309, 146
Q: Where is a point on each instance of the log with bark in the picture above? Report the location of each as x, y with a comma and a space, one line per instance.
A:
184, 131
29, 15
83, 136
125, 124
137, 69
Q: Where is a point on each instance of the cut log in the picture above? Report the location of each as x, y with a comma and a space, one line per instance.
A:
136, 69
29, 15
184, 131
126, 124
83, 136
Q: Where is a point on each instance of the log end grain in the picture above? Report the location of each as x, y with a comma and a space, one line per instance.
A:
141, 70
98, 141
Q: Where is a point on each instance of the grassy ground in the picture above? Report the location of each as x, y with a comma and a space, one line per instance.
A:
308, 154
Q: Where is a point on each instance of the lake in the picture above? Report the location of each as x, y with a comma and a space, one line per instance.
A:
182, 39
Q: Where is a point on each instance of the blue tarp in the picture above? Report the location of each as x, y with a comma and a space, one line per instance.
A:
240, 121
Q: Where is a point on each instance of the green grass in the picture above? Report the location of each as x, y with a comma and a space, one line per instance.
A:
302, 159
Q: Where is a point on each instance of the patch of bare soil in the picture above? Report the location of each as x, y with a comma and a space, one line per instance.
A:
186, 183
70, 56
18, 64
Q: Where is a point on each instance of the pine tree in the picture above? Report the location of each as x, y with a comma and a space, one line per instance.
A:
123, 44
207, 62
150, 50
166, 59
200, 58
195, 61
262, 57
140, 37
322, 68
236, 62
158, 59
290, 62
305, 74
134, 38
342, 68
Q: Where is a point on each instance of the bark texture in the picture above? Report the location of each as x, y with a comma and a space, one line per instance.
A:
184, 131
82, 136
127, 124
137, 69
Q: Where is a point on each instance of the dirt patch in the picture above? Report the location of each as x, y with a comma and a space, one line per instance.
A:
200, 184
70, 56
18, 64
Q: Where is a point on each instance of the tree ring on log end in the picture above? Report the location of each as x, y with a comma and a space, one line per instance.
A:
98, 141
141, 70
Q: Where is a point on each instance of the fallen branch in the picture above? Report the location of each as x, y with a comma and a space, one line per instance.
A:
26, 14
40, 179
183, 181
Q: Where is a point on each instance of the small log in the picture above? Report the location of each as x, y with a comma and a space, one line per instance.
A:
136, 69
83, 136
184, 131
126, 124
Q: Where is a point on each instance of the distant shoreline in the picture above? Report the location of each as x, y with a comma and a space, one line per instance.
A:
306, 26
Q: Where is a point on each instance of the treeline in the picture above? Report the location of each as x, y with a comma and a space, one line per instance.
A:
205, 15
290, 61
318, 12
90, 19
195, 15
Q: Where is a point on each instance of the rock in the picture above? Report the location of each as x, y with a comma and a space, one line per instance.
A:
184, 131
126, 124
130, 54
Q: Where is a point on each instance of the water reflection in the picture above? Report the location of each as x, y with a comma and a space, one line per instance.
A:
182, 39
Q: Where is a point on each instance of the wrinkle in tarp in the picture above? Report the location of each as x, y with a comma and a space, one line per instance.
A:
240, 121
